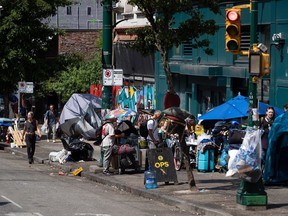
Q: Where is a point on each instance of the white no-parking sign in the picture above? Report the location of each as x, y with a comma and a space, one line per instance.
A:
108, 77
112, 77
117, 77
25, 87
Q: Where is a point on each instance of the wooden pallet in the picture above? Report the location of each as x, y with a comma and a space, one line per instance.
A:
17, 135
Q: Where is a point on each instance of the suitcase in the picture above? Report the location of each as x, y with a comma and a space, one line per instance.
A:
206, 161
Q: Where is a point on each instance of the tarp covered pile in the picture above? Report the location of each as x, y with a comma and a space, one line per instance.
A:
81, 116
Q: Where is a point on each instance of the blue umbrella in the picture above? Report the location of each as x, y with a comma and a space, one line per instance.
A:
237, 107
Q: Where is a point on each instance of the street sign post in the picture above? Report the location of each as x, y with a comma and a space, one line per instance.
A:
118, 77
112, 77
107, 77
25, 87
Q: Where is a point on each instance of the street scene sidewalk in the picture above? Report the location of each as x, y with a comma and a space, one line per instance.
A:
216, 194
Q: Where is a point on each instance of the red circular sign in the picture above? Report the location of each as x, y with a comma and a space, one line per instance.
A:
107, 73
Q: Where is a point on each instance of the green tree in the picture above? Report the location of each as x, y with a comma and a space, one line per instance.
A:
76, 75
24, 39
164, 33
76, 78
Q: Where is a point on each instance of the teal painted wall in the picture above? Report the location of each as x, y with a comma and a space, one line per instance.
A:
223, 70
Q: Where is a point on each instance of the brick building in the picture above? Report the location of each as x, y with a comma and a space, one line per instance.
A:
82, 23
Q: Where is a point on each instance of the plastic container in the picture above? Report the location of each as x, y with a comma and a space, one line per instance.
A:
150, 179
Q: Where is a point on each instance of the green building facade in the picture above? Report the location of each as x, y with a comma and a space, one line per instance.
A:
204, 82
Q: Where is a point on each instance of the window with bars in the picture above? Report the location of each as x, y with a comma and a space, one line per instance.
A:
187, 48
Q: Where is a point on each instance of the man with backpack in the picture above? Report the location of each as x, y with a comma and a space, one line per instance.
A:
152, 126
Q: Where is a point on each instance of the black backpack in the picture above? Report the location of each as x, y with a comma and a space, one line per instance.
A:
143, 130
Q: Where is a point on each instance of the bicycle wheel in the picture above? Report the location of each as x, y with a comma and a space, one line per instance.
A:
178, 158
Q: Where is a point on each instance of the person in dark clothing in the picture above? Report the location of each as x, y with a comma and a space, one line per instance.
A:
30, 127
50, 121
266, 124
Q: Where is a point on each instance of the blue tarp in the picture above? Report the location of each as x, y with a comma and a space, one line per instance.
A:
6, 122
276, 165
237, 107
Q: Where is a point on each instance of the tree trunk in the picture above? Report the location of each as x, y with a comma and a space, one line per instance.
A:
166, 66
171, 98
185, 151
189, 169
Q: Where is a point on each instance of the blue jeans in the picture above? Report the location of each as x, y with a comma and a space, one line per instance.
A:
51, 129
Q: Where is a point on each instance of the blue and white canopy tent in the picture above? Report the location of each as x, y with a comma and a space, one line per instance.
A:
235, 108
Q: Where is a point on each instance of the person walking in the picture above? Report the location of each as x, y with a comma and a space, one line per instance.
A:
50, 120
266, 124
30, 126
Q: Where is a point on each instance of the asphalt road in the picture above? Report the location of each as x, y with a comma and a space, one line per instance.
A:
39, 190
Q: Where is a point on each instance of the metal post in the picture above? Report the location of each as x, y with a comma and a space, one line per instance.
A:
106, 57
107, 50
253, 40
252, 194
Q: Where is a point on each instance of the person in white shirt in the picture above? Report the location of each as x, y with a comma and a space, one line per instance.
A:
152, 126
108, 136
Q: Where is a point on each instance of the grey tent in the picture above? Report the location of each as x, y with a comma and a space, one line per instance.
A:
87, 109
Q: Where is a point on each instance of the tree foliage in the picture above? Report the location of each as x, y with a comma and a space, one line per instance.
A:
76, 78
164, 33
76, 75
24, 40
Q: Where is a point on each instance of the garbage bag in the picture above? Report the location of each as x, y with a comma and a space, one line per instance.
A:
247, 162
79, 150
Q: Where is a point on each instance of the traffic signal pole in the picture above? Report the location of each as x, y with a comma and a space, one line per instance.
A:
106, 58
252, 194
107, 50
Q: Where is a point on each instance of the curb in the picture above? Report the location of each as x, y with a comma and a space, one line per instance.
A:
149, 194
20, 153
153, 195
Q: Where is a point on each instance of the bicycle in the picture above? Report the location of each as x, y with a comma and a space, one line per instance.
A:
177, 152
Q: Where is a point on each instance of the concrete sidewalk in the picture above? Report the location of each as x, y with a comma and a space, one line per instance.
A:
216, 195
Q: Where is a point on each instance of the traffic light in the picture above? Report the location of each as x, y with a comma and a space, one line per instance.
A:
265, 64
259, 63
255, 63
233, 30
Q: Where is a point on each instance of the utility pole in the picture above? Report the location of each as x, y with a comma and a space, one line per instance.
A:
107, 51
252, 194
106, 58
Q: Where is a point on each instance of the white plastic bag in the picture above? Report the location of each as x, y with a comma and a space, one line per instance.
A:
44, 129
58, 156
247, 162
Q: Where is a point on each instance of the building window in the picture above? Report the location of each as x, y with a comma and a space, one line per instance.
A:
187, 48
88, 11
177, 50
245, 38
69, 10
